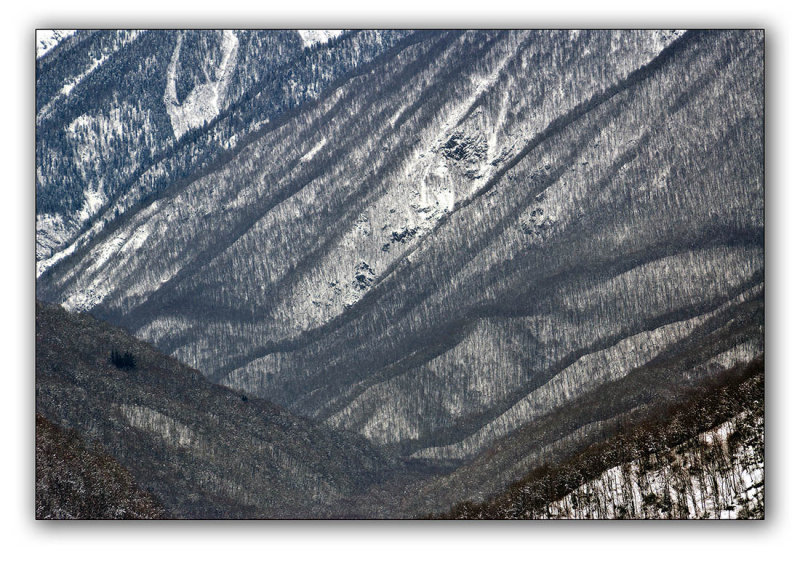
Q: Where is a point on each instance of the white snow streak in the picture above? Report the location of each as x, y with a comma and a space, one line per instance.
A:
311, 153
65, 90
206, 100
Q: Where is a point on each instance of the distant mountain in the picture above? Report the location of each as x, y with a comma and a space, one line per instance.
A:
474, 252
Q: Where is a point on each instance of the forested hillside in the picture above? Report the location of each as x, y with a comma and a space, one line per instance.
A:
122, 115
701, 458
76, 482
203, 451
470, 253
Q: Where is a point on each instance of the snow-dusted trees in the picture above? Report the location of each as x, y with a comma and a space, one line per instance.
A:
702, 457
105, 141
463, 235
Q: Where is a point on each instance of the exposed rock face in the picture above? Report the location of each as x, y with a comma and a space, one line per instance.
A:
403, 235
560, 209
468, 153
460, 148
365, 276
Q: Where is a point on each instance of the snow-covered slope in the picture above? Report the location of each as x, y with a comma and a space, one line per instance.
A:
205, 101
709, 477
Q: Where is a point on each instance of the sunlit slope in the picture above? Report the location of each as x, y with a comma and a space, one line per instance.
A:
465, 235
123, 114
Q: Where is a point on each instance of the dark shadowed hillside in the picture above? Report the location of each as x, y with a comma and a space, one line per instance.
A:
202, 450
75, 482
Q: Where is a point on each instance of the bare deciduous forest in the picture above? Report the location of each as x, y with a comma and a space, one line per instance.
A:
470, 258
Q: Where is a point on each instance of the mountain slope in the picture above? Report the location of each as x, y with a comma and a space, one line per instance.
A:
74, 482
701, 457
123, 114
203, 450
465, 235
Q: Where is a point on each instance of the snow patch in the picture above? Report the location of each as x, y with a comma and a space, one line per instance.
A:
43, 265
55, 230
136, 241
312, 37
48, 39
93, 202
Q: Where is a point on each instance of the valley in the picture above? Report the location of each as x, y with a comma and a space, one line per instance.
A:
400, 269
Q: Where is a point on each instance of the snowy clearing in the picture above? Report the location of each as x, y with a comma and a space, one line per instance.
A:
206, 100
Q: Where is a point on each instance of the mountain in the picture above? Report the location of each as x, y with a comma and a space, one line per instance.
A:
474, 250
656, 406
